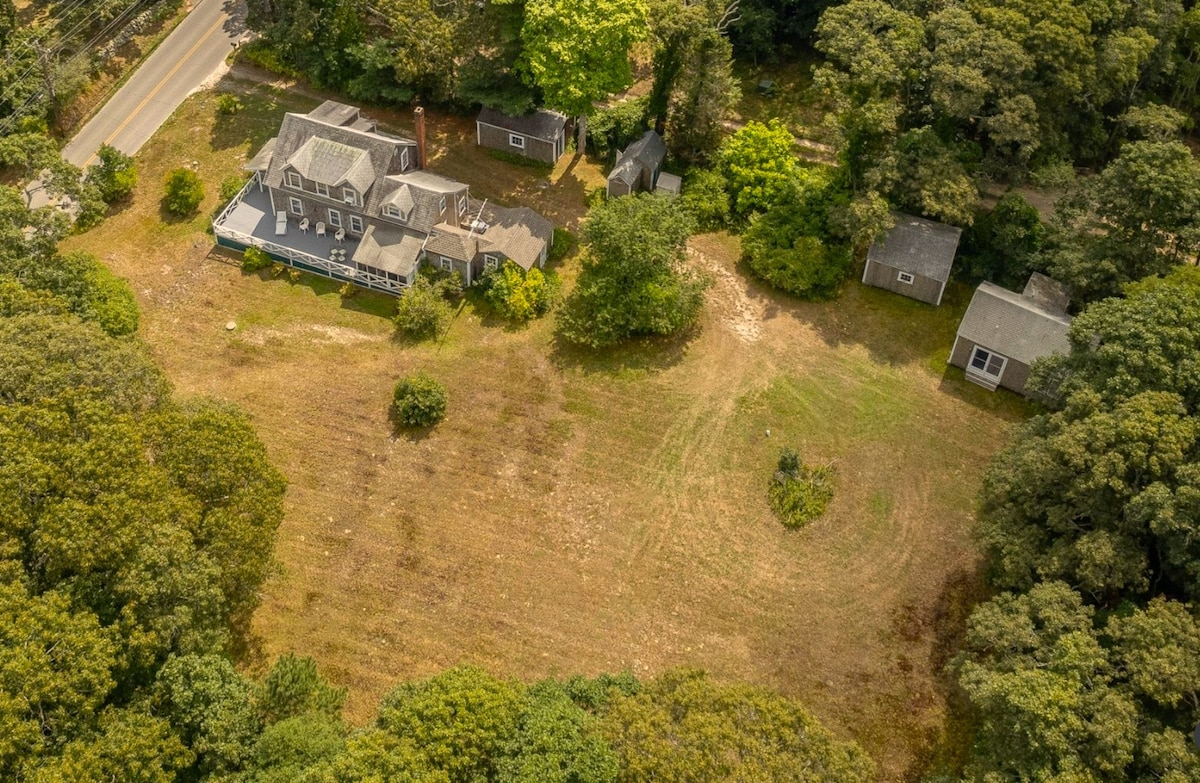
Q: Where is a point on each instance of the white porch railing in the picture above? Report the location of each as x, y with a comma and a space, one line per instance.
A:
291, 256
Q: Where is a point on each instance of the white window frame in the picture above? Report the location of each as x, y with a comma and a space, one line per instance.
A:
294, 181
335, 218
906, 277
490, 262
979, 352
462, 205
356, 224
393, 211
441, 204
322, 189
295, 205
404, 158
445, 264
516, 140
350, 196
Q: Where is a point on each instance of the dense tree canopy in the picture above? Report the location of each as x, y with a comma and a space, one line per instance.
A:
634, 282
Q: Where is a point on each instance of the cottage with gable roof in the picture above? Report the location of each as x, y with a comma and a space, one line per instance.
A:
638, 167
333, 195
540, 135
913, 259
1003, 333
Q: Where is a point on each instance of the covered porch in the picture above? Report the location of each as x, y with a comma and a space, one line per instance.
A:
249, 221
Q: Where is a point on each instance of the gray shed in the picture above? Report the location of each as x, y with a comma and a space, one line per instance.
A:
914, 258
539, 136
638, 167
1003, 333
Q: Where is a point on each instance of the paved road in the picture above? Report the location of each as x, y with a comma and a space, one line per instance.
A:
181, 63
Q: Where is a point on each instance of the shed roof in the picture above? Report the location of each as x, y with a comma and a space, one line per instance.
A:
1049, 294
541, 124
1014, 325
645, 153
917, 246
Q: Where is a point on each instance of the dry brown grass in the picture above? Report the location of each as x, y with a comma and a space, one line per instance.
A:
579, 513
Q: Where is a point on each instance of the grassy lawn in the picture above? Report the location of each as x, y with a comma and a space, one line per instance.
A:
579, 512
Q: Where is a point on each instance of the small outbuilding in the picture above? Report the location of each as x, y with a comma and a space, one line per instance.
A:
1003, 333
540, 136
638, 167
914, 258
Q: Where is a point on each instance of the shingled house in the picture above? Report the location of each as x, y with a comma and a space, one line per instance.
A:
541, 135
1003, 333
638, 167
914, 258
333, 195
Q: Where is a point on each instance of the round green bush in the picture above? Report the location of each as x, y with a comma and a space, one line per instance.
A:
419, 401
799, 493
184, 193
254, 259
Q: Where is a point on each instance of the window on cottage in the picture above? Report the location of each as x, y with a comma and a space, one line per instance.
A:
491, 262
296, 205
293, 180
350, 196
322, 189
516, 140
356, 224
404, 159
905, 277
462, 205
446, 264
335, 218
441, 204
988, 363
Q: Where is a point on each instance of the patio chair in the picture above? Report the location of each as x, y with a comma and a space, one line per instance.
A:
280, 223
320, 229
304, 225
340, 235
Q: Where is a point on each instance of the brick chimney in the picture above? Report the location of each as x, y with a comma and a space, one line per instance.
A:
419, 122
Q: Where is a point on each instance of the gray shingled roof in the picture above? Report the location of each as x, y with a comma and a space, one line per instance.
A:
1013, 325
383, 153
425, 189
334, 113
1049, 294
262, 160
333, 163
918, 246
519, 233
541, 124
645, 153
390, 249
451, 241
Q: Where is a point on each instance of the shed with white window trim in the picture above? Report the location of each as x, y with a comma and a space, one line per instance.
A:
914, 258
541, 135
1003, 333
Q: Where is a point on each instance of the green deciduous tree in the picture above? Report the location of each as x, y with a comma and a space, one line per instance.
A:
685, 727
91, 290
634, 281
1002, 245
759, 162
556, 742
422, 310
115, 175
577, 51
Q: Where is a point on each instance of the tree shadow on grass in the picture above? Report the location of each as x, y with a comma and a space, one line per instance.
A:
644, 354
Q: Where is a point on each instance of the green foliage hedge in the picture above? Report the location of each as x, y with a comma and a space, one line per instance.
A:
518, 295
418, 401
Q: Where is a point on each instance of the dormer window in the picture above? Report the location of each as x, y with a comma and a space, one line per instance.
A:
322, 189
404, 159
462, 205
350, 196
293, 180
393, 211
441, 204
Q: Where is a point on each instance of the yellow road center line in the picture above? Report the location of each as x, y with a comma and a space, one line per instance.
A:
158, 87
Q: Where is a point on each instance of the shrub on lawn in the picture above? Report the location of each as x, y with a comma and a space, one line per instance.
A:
184, 193
114, 176
799, 493
419, 401
422, 310
519, 295
254, 259
229, 104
